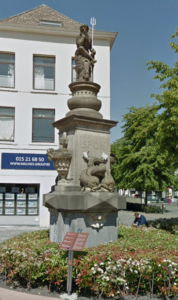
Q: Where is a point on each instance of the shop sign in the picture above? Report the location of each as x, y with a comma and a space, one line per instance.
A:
25, 161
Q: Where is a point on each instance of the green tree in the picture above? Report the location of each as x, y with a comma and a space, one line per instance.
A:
140, 161
168, 100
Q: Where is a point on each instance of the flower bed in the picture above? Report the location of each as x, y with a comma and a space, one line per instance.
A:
142, 261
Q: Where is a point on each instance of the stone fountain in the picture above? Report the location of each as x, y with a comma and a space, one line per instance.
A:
84, 197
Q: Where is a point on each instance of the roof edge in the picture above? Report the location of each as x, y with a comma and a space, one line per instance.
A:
27, 11
24, 12
62, 31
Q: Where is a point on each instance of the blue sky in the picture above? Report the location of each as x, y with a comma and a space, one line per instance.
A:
144, 28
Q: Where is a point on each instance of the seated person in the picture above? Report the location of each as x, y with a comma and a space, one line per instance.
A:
139, 220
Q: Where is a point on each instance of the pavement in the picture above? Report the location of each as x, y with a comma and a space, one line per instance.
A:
125, 217
6, 232
6, 294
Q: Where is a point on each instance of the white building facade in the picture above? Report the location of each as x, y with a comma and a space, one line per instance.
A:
36, 54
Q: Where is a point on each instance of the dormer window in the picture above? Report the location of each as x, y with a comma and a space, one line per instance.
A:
50, 23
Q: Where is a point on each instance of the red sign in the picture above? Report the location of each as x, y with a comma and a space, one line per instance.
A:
68, 241
80, 241
74, 241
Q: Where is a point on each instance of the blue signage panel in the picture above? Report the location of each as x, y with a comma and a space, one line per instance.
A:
25, 161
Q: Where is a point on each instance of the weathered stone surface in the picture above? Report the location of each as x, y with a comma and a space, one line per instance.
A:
96, 177
72, 221
83, 201
71, 205
84, 61
61, 159
84, 100
77, 122
85, 134
94, 213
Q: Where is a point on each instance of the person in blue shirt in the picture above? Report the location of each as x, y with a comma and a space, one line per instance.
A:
139, 220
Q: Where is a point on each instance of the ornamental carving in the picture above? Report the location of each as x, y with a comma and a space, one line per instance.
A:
96, 220
96, 177
61, 160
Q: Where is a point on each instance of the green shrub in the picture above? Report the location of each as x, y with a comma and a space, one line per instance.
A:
170, 225
151, 209
144, 208
31, 259
144, 260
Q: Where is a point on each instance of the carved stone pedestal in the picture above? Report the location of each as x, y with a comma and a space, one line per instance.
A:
84, 100
85, 198
94, 213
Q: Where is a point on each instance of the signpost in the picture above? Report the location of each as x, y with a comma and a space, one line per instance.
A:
73, 241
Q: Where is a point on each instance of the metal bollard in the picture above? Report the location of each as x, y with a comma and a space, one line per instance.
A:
162, 208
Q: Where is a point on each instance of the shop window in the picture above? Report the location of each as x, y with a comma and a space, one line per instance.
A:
43, 130
7, 70
43, 73
19, 199
7, 116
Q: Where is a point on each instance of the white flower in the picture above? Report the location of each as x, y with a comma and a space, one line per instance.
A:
95, 265
101, 264
136, 272
120, 279
175, 283
100, 270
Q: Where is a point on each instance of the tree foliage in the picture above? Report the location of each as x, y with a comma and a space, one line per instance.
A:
147, 155
168, 100
141, 163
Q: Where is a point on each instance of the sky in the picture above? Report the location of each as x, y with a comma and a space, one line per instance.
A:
144, 29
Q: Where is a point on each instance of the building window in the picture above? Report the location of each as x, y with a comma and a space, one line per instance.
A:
73, 70
19, 199
43, 73
7, 116
50, 23
43, 130
7, 70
